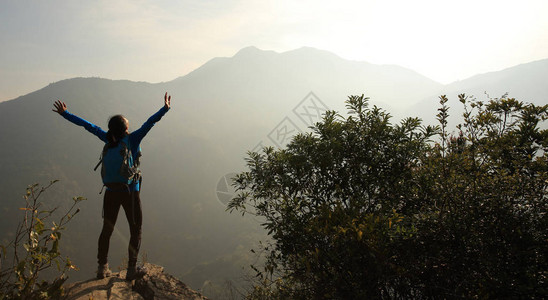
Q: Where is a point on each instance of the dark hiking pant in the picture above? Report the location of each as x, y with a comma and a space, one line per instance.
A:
131, 203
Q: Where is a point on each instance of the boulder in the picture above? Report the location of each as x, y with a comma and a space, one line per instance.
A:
155, 284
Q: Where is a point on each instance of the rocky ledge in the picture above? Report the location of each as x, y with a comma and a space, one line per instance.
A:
156, 284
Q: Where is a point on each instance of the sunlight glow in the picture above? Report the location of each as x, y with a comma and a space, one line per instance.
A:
160, 40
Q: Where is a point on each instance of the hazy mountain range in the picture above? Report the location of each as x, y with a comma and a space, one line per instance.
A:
219, 111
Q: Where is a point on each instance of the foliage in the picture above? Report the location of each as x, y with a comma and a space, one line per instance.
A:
361, 208
34, 250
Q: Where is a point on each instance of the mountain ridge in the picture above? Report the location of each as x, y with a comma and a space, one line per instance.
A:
253, 50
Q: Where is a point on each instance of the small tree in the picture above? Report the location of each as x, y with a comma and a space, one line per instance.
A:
486, 189
361, 208
35, 249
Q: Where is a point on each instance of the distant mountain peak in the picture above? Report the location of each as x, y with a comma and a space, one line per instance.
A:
248, 49
252, 51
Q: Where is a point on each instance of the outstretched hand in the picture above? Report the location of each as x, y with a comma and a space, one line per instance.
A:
60, 107
167, 100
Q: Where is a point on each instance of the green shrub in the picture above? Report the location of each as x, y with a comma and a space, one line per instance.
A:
361, 208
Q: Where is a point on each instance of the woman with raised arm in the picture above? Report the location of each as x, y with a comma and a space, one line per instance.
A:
122, 178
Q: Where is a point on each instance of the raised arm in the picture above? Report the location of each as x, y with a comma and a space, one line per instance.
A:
61, 108
140, 133
167, 101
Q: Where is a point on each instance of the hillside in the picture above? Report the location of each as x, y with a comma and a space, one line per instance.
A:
219, 111
525, 82
254, 74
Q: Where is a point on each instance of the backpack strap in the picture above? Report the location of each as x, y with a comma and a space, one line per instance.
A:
105, 148
134, 162
98, 164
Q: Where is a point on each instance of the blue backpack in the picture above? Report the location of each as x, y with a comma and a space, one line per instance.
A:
118, 165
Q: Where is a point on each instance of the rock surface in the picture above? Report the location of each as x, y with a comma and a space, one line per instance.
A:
156, 284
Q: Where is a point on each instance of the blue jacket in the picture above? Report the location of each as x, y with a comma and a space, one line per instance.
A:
135, 137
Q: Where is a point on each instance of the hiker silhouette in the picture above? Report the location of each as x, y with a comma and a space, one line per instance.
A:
122, 179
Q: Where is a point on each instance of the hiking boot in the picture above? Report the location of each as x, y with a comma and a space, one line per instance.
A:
134, 272
103, 271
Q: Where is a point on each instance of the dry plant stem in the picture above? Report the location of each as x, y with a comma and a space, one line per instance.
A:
41, 243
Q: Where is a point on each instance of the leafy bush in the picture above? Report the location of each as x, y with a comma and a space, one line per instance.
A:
34, 250
361, 208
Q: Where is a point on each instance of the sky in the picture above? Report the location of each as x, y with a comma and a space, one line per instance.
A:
44, 41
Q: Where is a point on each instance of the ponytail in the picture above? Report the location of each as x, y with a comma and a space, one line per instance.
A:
110, 137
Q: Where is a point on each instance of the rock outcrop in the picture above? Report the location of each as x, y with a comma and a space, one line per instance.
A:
156, 284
